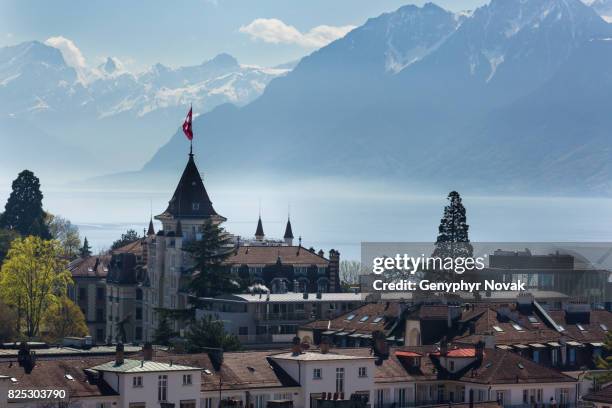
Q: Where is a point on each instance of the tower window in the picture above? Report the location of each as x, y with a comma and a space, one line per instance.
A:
195, 206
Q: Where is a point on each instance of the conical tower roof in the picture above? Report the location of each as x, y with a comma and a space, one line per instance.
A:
259, 232
288, 230
151, 230
190, 199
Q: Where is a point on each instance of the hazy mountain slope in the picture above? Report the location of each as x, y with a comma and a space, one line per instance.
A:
444, 111
120, 117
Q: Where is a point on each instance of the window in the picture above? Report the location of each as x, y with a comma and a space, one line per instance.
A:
137, 382
517, 327
380, 398
603, 327
340, 379
99, 315
497, 329
364, 318
401, 397
563, 396
195, 206
554, 356
138, 405
536, 356
481, 395
580, 327
187, 404
378, 319
572, 355
208, 403
162, 388
82, 293
260, 401
243, 331
138, 333
500, 396
350, 317
451, 366
316, 374
100, 293
363, 371
187, 379
532, 319
103, 404
139, 313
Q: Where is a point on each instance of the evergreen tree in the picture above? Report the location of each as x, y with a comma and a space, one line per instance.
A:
208, 333
127, 238
210, 277
23, 211
85, 250
453, 240
163, 333
6, 237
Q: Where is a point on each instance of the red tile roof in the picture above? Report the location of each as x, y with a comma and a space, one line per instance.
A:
269, 255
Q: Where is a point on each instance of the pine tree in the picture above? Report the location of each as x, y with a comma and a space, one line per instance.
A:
208, 333
23, 211
211, 278
85, 250
163, 333
453, 240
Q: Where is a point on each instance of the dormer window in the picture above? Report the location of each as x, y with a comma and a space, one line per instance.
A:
498, 329
451, 365
195, 206
517, 327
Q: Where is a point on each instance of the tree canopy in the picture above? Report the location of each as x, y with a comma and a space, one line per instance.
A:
23, 211
211, 277
33, 278
66, 233
127, 238
62, 319
210, 333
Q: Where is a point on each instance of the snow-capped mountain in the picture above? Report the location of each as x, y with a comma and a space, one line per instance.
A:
602, 7
102, 108
432, 97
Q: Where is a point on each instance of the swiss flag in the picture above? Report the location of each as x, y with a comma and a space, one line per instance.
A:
187, 125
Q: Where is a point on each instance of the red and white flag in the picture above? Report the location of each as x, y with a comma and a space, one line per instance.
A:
187, 125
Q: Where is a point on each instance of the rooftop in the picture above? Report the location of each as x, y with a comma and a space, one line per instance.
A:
292, 297
141, 366
270, 255
318, 356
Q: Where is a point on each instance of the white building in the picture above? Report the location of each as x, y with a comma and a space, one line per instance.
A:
405, 377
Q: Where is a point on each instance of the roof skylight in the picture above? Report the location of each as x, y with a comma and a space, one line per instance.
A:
364, 318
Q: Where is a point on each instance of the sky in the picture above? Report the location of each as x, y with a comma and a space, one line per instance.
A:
141, 33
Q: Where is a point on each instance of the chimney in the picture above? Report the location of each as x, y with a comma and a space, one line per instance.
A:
443, 347
296, 346
147, 352
479, 348
119, 354
324, 346
381, 348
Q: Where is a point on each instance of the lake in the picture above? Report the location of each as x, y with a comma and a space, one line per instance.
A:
340, 215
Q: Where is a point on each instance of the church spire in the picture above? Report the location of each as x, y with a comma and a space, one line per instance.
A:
288, 233
259, 232
151, 230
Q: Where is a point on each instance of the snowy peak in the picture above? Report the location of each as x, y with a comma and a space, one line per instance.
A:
110, 66
222, 60
601, 7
